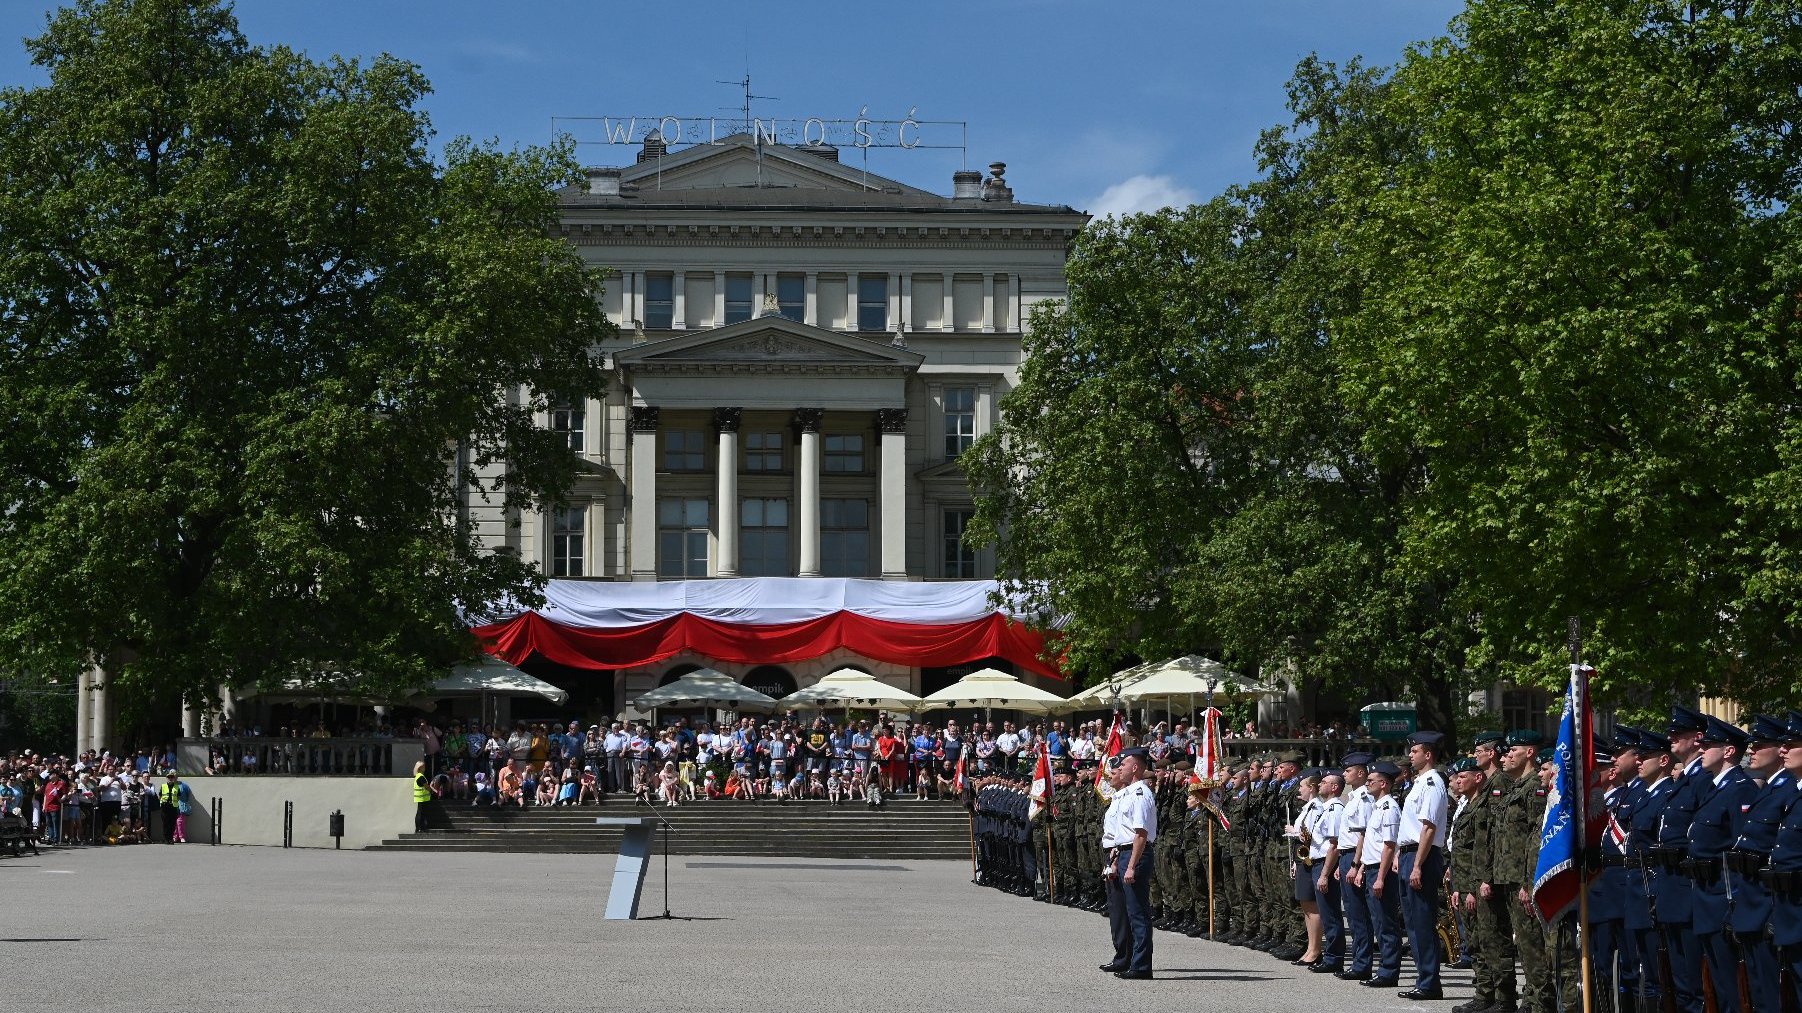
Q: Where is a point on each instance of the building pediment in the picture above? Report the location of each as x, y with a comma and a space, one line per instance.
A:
768, 343
737, 162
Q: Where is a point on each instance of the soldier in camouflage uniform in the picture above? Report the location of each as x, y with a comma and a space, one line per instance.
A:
1514, 833
1238, 861
1280, 889
1464, 869
1257, 807
1492, 926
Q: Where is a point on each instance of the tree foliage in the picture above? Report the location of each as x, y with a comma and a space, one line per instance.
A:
1498, 337
245, 323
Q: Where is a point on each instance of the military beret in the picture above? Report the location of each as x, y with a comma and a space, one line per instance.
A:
1463, 765
1719, 731
1546, 755
1525, 737
1182, 765
1296, 758
1427, 738
1490, 738
1386, 769
1766, 728
1139, 753
1311, 772
1355, 760
1331, 772
1685, 720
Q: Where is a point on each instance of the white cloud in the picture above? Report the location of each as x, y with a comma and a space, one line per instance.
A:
1141, 193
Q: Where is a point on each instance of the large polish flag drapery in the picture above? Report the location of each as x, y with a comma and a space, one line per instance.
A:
765, 620
1574, 817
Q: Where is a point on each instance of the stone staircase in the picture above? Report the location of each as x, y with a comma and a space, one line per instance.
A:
902, 829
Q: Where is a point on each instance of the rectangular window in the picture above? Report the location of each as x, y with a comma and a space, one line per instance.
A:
682, 537
763, 451
659, 302
960, 559
763, 538
872, 302
960, 420
738, 298
684, 450
570, 421
569, 529
791, 295
845, 537
844, 453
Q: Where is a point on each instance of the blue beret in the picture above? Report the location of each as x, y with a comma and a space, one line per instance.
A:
1766, 728
1355, 760
1427, 738
1525, 737
1722, 732
1685, 720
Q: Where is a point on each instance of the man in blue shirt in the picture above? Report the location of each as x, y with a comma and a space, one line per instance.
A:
860, 751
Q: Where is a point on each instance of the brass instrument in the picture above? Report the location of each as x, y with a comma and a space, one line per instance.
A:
1450, 941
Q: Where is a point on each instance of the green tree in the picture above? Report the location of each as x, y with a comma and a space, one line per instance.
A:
246, 323
1581, 304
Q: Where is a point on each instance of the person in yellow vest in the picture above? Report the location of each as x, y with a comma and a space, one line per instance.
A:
422, 794
169, 800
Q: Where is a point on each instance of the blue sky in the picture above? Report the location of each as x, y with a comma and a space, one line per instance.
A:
1111, 106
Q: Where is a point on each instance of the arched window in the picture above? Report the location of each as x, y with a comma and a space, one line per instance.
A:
770, 680
675, 673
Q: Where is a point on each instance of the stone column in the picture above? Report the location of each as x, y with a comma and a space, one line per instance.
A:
905, 323
100, 726
679, 299
726, 421
84, 725
636, 316
988, 304
643, 493
808, 421
810, 313
190, 720
1016, 313
851, 281
948, 322
719, 298
894, 302
891, 423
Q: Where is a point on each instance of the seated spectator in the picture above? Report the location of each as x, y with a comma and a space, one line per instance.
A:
569, 787
510, 785
484, 791
835, 787
591, 788
711, 787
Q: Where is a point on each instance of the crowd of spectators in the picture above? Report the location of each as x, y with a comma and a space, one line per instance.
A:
96, 798
552, 763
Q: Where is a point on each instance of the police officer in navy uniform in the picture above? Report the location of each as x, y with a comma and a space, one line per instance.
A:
1643, 814
1128, 831
1711, 834
1610, 946
1421, 844
1673, 891
1754, 906
1784, 876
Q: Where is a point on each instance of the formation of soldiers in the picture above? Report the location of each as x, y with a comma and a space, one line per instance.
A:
1695, 905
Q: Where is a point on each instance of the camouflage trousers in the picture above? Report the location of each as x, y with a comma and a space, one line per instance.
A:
1493, 952
1529, 945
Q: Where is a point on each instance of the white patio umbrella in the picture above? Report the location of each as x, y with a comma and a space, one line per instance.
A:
987, 687
492, 675
1102, 693
1189, 675
849, 687
705, 687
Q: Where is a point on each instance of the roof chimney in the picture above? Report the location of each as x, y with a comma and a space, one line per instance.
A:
966, 184
654, 146
820, 149
995, 188
603, 182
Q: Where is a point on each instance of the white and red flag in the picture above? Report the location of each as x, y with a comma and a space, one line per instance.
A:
1115, 743
1041, 783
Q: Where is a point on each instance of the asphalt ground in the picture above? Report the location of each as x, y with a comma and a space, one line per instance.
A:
198, 928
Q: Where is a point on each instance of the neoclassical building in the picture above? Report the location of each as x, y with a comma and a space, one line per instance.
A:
804, 350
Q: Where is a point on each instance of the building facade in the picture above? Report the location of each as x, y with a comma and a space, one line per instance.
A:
804, 350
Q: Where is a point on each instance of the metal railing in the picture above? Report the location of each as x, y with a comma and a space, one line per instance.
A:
338, 757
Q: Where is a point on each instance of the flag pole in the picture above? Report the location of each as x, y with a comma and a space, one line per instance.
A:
1210, 878
1581, 804
1050, 859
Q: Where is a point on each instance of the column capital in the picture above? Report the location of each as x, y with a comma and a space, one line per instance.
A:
891, 420
726, 420
644, 419
808, 419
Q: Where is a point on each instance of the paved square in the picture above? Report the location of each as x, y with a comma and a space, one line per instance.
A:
185, 928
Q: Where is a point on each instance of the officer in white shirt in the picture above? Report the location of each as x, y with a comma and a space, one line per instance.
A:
1324, 850
1353, 897
1127, 832
1420, 840
1376, 875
